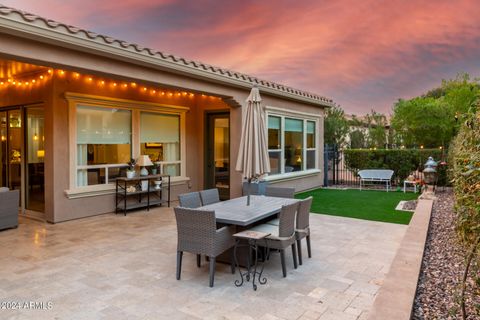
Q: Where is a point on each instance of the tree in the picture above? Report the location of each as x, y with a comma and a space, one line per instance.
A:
430, 119
336, 126
357, 139
377, 137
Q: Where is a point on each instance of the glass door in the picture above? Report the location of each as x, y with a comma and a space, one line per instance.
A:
3, 150
217, 170
34, 160
15, 150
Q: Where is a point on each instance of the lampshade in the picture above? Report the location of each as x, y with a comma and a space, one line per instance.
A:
40, 153
144, 160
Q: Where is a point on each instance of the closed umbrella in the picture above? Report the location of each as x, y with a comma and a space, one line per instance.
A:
253, 159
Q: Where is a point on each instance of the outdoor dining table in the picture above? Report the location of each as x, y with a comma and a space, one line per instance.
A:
236, 212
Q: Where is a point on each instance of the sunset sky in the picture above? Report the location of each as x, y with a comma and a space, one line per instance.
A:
362, 54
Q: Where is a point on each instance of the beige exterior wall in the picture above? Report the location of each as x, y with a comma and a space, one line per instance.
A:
58, 206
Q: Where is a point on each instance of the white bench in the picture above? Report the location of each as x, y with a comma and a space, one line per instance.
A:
376, 175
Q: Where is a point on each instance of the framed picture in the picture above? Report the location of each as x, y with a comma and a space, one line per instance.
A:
152, 145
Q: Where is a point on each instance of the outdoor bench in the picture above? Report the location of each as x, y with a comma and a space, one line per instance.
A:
375, 175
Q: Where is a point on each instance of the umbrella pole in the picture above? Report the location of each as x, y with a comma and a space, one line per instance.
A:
248, 191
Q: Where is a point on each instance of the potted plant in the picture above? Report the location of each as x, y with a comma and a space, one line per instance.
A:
131, 168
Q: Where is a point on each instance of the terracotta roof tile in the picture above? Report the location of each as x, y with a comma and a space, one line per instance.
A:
82, 33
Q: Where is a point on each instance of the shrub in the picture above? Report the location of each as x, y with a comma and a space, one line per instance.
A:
465, 156
401, 161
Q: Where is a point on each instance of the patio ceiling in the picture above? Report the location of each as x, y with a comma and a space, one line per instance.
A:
16, 69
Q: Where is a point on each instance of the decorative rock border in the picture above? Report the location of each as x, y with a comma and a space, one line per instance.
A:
395, 298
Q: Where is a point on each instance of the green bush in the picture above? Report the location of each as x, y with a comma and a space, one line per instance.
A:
465, 157
466, 178
401, 161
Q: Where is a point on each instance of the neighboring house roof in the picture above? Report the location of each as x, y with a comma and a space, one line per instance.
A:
14, 19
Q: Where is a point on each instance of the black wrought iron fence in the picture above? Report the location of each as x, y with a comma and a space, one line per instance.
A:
336, 173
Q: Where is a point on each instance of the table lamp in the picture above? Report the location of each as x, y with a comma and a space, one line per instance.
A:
144, 161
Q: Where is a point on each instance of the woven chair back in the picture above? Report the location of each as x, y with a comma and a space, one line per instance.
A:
303, 213
280, 192
209, 196
196, 230
190, 200
286, 226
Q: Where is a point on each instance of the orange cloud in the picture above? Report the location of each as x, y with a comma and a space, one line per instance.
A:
363, 54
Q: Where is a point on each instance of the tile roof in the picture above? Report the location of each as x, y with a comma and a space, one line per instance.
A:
37, 21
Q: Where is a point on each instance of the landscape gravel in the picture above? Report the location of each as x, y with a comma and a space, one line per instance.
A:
442, 269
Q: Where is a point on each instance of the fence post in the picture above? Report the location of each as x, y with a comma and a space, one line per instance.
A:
325, 165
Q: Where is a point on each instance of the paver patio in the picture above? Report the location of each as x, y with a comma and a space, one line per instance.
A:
116, 267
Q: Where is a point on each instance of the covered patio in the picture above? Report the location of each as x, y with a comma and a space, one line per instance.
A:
112, 267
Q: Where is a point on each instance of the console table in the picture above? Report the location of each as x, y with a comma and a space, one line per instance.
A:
129, 193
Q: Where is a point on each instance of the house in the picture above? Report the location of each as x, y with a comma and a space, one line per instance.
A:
76, 106
360, 127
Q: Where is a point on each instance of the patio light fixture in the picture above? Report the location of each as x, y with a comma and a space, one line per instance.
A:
430, 171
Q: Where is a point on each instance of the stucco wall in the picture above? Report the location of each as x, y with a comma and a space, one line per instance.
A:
59, 208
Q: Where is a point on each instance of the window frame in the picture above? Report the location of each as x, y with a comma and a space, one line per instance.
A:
305, 117
135, 107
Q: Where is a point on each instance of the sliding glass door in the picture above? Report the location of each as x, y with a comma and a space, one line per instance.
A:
34, 159
15, 150
3, 150
22, 153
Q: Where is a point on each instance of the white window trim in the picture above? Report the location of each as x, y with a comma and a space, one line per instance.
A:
75, 99
297, 115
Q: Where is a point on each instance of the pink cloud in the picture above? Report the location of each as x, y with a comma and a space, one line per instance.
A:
362, 54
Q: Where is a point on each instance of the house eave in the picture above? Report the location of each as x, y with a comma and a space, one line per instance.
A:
35, 31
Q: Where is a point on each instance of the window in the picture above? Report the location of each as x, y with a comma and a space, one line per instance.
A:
103, 144
160, 139
293, 145
294, 141
311, 145
274, 144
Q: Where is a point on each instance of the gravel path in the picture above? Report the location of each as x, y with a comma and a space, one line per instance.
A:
443, 263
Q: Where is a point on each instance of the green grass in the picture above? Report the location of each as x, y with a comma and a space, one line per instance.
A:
366, 204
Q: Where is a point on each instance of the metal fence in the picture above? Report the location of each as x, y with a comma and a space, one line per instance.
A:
336, 173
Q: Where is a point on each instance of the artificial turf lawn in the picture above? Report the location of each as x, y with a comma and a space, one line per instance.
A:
366, 204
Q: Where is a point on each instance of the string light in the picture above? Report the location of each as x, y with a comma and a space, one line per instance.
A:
24, 83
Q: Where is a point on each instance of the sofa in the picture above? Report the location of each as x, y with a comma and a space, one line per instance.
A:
9, 200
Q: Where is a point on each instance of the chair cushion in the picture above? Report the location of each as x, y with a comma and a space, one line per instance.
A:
4, 189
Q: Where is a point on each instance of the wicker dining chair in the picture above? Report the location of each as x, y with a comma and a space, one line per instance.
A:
190, 200
279, 192
302, 228
198, 234
209, 196
283, 235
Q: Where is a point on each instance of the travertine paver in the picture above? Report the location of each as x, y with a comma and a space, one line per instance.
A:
116, 267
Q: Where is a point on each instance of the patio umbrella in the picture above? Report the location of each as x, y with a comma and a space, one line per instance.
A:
253, 160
